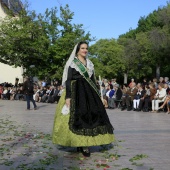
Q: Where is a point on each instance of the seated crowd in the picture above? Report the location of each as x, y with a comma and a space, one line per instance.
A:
42, 92
146, 96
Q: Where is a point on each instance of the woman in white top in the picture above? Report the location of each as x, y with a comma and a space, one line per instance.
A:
159, 97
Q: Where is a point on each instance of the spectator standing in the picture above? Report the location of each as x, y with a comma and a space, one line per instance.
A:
28, 88
132, 81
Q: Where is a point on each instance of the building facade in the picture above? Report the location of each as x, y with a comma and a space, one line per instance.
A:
9, 73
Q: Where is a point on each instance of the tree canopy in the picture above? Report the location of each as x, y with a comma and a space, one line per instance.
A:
141, 52
40, 43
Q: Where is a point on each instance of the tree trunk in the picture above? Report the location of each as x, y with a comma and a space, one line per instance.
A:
125, 78
158, 72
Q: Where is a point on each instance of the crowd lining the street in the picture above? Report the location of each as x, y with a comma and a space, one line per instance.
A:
153, 96
43, 92
147, 96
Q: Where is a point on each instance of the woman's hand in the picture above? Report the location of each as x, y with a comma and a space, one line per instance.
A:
68, 102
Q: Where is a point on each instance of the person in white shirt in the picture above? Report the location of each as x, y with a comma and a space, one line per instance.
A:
111, 97
159, 97
61, 91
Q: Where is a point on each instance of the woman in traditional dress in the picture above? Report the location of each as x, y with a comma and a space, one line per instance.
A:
87, 123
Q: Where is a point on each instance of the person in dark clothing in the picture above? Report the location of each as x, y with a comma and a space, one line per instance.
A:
56, 91
118, 93
28, 88
145, 101
145, 83
166, 87
56, 83
50, 95
87, 123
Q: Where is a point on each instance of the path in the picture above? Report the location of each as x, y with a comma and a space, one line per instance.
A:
143, 141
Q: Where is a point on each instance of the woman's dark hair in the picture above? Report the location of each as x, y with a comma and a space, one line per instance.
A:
79, 44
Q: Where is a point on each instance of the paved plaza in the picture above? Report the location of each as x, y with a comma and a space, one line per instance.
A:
142, 141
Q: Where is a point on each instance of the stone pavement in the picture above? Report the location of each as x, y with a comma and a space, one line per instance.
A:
142, 141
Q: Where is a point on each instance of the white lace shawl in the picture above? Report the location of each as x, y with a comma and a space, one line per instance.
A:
68, 63
90, 67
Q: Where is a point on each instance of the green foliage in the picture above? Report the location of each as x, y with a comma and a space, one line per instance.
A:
42, 43
139, 51
107, 56
138, 157
39, 43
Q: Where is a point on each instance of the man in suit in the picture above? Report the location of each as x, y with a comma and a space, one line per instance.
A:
129, 96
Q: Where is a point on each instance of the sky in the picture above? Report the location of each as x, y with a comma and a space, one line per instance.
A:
103, 18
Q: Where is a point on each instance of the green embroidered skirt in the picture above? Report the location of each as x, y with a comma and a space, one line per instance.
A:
62, 135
